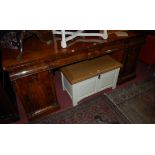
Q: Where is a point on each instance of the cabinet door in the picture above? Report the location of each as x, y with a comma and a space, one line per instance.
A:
129, 69
85, 88
105, 80
37, 93
128, 57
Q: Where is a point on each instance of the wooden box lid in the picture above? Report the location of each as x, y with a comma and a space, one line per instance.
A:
86, 69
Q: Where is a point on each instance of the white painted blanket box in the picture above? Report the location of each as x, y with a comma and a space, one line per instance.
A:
85, 78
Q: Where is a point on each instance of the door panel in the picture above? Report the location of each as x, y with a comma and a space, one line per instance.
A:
87, 87
105, 80
37, 92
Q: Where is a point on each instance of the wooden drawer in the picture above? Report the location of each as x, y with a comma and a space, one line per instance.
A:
67, 60
105, 49
136, 41
112, 48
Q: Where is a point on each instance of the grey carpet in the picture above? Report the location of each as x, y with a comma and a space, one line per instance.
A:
136, 102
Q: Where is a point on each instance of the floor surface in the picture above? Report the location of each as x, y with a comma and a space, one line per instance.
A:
143, 71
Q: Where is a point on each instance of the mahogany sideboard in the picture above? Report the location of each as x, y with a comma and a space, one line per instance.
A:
32, 75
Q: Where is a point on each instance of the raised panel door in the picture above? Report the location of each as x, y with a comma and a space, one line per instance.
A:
37, 93
129, 68
105, 80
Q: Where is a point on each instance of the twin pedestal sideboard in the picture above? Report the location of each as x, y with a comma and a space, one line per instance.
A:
32, 76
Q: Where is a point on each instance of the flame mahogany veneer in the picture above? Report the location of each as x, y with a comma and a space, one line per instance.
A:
32, 75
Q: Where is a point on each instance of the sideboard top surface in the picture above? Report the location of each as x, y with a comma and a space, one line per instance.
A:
36, 51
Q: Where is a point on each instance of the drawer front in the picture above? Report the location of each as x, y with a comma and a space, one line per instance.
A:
136, 41
68, 60
86, 87
105, 49
112, 48
105, 80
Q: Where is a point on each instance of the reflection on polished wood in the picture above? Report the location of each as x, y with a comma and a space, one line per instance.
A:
32, 75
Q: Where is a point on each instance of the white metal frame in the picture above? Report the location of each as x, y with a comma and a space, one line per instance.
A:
72, 35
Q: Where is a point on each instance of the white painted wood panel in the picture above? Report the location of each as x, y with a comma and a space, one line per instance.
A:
85, 88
